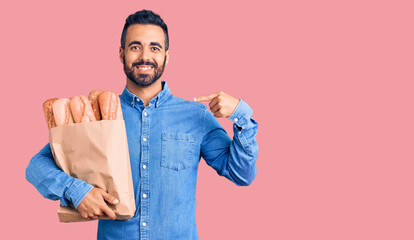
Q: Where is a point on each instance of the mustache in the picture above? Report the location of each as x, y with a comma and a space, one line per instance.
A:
145, 63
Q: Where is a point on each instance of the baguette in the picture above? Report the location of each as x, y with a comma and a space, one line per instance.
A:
81, 109
61, 112
47, 108
110, 106
93, 98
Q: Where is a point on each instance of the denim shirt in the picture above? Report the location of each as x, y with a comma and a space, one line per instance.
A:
166, 140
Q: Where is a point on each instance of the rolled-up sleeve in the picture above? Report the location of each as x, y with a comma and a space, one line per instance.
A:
52, 183
234, 159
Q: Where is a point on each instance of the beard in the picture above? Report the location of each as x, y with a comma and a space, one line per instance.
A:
144, 80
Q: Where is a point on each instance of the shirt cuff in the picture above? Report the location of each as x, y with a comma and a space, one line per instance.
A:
242, 114
77, 191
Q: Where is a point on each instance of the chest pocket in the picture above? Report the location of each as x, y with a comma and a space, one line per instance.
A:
177, 150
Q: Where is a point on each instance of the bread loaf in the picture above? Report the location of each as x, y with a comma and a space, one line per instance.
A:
100, 105
110, 106
48, 110
81, 109
93, 98
61, 112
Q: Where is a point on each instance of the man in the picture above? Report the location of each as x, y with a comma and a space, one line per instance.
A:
166, 137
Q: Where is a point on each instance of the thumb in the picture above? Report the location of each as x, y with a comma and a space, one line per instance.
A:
110, 198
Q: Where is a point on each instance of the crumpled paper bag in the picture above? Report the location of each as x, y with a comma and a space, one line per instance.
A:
96, 152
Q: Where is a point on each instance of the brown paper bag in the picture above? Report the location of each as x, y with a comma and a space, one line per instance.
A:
96, 152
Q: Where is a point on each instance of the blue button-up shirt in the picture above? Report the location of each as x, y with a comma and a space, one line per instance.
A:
166, 140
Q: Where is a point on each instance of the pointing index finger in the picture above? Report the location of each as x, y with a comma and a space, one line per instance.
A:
205, 98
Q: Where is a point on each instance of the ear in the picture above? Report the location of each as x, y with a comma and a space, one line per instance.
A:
167, 56
121, 54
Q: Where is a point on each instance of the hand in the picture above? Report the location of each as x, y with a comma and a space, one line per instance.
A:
221, 104
93, 205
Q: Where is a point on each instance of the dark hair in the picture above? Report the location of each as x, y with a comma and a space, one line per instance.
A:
145, 17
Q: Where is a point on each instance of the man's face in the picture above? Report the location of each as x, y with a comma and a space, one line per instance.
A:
144, 56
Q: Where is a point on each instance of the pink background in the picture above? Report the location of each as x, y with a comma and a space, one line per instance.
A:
331, 84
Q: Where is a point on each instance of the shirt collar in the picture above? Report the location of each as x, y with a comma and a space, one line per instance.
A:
161, 97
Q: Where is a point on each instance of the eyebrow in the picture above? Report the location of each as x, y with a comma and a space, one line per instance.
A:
134, 42
139, 43
156, 44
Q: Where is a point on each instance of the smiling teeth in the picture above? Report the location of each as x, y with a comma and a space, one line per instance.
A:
144, 68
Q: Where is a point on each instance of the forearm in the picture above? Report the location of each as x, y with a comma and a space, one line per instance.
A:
235, 159
43, 173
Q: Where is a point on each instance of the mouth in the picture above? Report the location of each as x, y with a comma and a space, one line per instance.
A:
144, 68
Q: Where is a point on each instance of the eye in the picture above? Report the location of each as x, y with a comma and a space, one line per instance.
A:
155, 49
135, 48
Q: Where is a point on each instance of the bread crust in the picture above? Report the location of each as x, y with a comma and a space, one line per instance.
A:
93, 98
47, 109
81, 109
61, 112
110, 106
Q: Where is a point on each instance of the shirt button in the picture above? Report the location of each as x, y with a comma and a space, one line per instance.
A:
239, 132
144, 195
144, 166
137, 99
144, 224
236, 119
144, 139
145, 114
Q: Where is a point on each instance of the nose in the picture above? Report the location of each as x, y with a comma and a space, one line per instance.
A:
145, 54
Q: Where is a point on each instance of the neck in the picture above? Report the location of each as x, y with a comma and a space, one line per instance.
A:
145, 93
